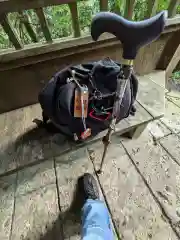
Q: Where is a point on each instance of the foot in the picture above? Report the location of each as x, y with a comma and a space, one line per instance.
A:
88, 186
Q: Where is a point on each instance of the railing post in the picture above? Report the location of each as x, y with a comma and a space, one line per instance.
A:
25, 20
103, 5
173, 63
169, 50
128, 12
44, 25
172, 7
74, 16
151, 8
13, 37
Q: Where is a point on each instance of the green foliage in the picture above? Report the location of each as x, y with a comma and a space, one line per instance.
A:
60, 22
59, 19
176, 75
140, 10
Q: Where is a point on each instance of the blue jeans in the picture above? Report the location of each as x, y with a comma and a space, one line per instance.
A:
96, 222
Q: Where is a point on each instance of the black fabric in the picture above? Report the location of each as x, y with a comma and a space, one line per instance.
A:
133, 35
57, 97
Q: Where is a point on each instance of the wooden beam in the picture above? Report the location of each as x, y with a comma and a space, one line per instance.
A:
103, 5
25, 20
169, 50
129, 7
44, 25
34, 50
13, 37
173, 63
152, 8
173, 7
75, 21
7, 6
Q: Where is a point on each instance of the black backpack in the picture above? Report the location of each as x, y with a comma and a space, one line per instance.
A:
57, 99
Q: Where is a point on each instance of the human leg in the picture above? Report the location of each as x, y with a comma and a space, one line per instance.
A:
96, 222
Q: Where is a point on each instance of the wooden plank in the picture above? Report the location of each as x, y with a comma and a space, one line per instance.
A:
44, 25
171, 117
141, 117
152, 8
75, 20
158, 77
35, 177
103, 5
151, 95
161, 174
12, 127
35, 144
134, 210
171, 144
158, 130
25, 20
57, 45
20, 5
173, 7
13, 37
172, 64
41, 210
129, 7
174, 96
69, 168
7, 193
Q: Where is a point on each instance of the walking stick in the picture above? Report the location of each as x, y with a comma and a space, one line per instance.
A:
120, 89
133, 36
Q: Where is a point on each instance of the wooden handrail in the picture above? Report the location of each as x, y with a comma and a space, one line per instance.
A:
7, 6
43, 50
20, 5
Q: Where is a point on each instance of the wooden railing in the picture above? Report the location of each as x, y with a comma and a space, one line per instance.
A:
7, 6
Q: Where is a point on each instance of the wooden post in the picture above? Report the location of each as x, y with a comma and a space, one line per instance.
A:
75, 21
169, 50
152, 8
172, 64
25, 19
13, 37
103, 5
172, 7
128, 12
43, 22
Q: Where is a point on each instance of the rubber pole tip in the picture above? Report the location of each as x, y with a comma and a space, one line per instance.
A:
99, 171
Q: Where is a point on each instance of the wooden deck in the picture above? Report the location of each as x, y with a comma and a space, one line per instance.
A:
139, 183
24, 144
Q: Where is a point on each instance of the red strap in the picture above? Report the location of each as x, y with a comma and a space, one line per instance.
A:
107, 116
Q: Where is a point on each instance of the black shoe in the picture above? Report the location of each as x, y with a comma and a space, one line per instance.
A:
88, 186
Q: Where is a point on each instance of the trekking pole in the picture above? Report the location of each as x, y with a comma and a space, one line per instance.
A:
120, 90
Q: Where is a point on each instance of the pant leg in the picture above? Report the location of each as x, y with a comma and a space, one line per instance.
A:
96, 221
